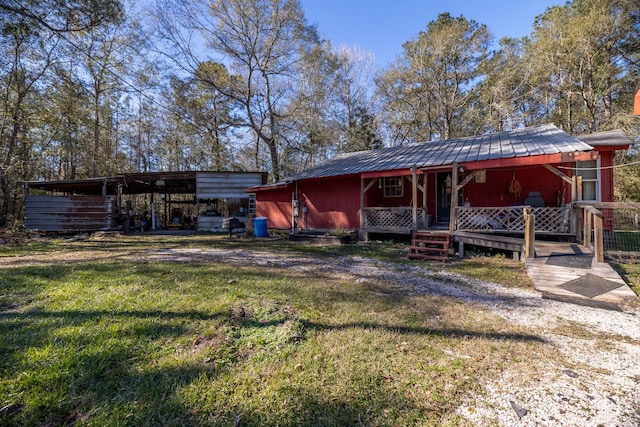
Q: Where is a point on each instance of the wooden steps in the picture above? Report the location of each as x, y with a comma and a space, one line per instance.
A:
429, 245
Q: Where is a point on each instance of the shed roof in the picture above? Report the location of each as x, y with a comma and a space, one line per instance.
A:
137, 183
612, 138
531, 141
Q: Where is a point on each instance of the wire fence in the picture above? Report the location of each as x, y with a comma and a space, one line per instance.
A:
621, 232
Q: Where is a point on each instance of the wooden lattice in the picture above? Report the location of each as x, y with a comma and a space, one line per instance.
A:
511, 219
506, 219
390, 218
553, 220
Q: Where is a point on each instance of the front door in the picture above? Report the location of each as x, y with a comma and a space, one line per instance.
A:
443, 190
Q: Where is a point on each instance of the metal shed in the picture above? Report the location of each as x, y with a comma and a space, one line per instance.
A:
142, 201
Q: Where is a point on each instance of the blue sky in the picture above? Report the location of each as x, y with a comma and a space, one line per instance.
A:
382, 26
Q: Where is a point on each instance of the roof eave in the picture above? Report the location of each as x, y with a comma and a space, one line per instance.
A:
557, 158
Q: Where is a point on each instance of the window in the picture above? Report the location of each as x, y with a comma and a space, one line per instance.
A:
393, 186
590, 172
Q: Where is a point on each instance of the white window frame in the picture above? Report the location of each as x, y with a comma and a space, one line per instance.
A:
597, 180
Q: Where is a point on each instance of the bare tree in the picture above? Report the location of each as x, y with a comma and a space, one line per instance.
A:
64, 16
263, 42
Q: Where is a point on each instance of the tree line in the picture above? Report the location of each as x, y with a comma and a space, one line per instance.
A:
91, 89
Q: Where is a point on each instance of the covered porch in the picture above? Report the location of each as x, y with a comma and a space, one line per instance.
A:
461, 199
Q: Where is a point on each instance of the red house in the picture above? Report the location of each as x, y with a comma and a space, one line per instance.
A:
454, 183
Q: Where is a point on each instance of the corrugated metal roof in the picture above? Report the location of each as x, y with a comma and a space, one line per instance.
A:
144, 182
531, 141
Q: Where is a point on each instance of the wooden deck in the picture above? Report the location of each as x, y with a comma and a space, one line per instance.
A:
513, 244
551, 273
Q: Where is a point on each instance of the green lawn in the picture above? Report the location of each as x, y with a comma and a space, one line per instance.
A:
97, 333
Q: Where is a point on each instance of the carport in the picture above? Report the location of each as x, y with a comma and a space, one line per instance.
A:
141, 201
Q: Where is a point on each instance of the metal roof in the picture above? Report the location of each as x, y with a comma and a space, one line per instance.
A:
531, 141
134, 183
611, 138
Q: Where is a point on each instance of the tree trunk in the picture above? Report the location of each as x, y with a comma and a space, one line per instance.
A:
96, 130
275, 164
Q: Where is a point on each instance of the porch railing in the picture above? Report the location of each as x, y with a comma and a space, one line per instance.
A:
384, 218
511, 219
613, 227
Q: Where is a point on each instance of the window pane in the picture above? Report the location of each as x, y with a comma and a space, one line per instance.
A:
589, 190
393, 186
591, 172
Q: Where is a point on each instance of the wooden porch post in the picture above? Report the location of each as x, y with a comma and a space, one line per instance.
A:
362, 236
454, 197
586, 233
576, 196
414, 197
579, 188
364, 189
598, 243
529, 234
425, 217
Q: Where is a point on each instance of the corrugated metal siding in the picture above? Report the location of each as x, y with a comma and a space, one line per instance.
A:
218, 185
68, 213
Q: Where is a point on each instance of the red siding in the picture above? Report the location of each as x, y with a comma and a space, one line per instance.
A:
606, 176
335, 202
375, 196
330, 203
275, 205
495, 192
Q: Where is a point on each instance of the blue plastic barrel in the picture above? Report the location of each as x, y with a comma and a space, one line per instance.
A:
260, 226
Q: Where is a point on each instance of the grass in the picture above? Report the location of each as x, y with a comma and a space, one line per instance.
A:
93, 334
623, 241
629, 270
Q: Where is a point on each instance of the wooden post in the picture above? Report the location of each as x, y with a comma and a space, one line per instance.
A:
414, 197
579, 188
598, 241
576, 196
576, 211
529, 234
362, 236
364, 189
153, 212
454, 197
586, 233
425, 216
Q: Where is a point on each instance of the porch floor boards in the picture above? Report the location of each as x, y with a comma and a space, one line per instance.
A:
548, 277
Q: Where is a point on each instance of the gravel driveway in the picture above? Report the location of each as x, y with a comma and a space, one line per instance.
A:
603, 391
